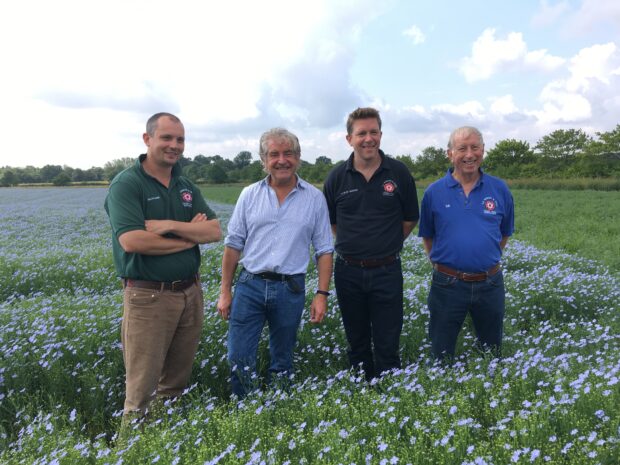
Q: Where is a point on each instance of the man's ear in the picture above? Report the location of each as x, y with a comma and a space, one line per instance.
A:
146, 138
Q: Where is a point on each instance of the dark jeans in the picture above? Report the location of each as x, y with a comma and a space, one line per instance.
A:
371, 305
450, 299
255, 301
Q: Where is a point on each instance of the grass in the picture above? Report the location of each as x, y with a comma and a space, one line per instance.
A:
552, 399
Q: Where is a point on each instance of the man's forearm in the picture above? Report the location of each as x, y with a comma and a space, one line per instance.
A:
407, 228
428, 245
197, 231
230, 260
148, 243
324, 267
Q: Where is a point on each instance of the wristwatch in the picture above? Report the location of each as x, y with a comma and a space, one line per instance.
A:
326, 293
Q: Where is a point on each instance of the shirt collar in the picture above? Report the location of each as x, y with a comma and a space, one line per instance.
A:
350, 166
300, 184
454, 183
176, 169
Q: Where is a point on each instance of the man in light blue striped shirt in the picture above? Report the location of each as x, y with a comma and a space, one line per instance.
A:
273, 225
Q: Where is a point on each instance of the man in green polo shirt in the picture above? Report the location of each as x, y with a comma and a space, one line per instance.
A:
158, 218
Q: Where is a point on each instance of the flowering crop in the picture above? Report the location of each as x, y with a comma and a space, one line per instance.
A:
552, 398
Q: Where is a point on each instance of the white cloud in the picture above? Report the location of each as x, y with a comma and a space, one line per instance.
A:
416, 34
540, 59
504, 105
490, 55
594, 81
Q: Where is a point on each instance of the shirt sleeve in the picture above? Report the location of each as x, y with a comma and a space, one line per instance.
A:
411, 211
124, 207
427, 225
328, 192
200, 205
237, 225
507, 226
322, 234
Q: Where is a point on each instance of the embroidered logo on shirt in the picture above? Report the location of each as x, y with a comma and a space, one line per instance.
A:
489, 204
389, 187
186, 197
150, 199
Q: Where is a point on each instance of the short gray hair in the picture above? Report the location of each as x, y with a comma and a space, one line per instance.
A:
464, 131
278, 133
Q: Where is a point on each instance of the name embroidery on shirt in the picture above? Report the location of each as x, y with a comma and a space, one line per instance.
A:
150, 199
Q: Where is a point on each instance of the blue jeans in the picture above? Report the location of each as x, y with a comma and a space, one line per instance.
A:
371, 305
450, 299
255, 301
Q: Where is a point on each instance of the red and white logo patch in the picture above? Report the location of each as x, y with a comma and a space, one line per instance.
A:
186, 196
389, 186
489, 205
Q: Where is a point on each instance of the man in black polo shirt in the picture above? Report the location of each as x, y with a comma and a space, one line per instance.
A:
373, 207
158, 218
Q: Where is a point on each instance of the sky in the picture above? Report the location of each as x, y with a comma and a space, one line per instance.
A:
80, 78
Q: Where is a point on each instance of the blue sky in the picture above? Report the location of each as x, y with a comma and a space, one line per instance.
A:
80, 78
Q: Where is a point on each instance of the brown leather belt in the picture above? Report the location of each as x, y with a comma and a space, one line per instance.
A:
468, 277
174, 286
369, 262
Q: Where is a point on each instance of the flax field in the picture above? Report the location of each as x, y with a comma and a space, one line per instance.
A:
553, 398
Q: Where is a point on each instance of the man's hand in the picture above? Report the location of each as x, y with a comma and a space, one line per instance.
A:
163, 227
223, 304
318, 308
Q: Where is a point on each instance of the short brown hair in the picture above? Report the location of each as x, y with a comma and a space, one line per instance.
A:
362, 113
151, 124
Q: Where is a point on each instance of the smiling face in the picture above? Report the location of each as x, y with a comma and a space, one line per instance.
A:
365, 138
166, 144
281, 161
466, 153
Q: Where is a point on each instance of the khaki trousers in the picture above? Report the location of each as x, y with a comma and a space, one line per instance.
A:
159, 334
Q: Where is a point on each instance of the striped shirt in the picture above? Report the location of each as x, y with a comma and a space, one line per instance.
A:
277, 238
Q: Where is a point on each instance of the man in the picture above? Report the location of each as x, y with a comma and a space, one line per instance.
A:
373, 206
158, 218
273, 225
467, 217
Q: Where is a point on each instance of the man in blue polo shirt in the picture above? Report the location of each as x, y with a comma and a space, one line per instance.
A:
466, 219
273, 225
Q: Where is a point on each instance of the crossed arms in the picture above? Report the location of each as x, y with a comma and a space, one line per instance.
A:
151, 241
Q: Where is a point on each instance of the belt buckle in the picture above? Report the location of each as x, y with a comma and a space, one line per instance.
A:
468, 277
173, 285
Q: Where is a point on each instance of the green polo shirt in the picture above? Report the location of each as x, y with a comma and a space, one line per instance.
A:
133, 197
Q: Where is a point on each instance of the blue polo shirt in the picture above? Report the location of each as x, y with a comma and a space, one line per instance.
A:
467, 231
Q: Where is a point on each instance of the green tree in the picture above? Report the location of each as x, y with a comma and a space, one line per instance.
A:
216, 174
49, 172
431, 163
242, 159
9, 178
562, 144
63, 179
323, 160
112, 168
509, 158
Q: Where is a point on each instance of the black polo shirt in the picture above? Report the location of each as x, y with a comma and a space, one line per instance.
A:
369, 215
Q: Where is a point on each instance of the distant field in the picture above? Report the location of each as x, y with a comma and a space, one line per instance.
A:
582, 222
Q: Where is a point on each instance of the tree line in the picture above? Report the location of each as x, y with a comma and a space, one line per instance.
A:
565, 153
